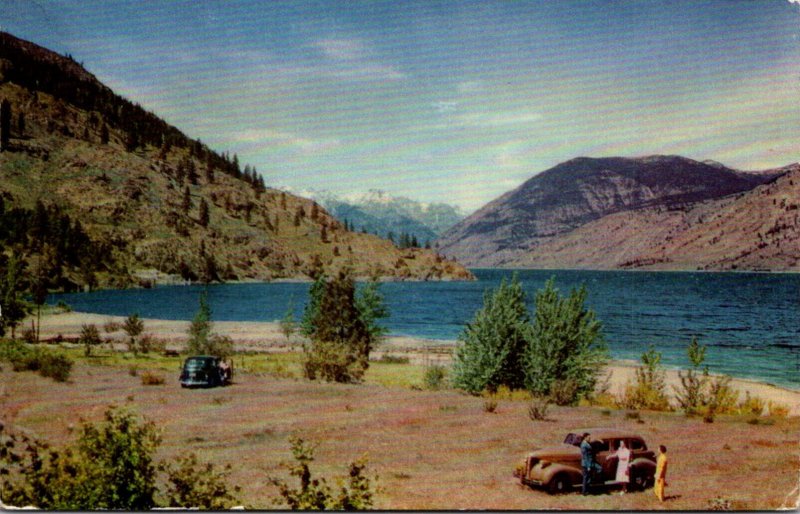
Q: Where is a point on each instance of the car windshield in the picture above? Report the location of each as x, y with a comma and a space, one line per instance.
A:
573, 439
195, 364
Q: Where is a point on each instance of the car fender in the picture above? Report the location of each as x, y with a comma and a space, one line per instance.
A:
645, 466
553, 469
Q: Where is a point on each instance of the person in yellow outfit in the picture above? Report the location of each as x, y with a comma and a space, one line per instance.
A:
661, 472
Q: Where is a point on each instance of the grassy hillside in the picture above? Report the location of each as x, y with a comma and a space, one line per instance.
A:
152, 212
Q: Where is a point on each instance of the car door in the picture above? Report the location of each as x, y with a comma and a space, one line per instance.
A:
606, 457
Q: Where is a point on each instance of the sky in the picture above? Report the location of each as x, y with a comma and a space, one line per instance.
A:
448, 101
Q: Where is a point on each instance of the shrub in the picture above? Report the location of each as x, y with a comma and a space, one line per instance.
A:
490, 404
355, 492
90, 336
192, 485
752, 405
690, 395
133, 371
110, 467
29, 336
54, 365
149, 378
133, 326
720, 399
778, 410
63, 306
720, 503
434, 377
648, 391
111, 326
50, 364
537, 410
564, 392
394, 359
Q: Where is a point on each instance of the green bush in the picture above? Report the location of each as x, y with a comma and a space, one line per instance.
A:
537, 410
192, 485
55, 365
110, 467
47, 363
434, 377
90, 337
354, 493
149, 378
649, 390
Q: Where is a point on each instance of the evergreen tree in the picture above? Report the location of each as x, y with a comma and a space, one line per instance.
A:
133, 326
5, 125
311, 310
11, 295
200, 329
565, 346
371, 306
204, 215
186, 203
104, 134
341, 343
492, 344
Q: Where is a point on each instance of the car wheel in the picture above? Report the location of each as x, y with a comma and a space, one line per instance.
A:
638, 481
559, 484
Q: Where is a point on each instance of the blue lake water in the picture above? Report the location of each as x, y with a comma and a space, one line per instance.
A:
749, 321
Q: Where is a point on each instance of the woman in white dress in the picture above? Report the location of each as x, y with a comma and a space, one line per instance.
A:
623, 466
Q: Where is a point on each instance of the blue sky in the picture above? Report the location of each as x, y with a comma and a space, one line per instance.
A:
452, 101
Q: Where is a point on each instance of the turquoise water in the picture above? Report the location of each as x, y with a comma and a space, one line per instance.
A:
749, 321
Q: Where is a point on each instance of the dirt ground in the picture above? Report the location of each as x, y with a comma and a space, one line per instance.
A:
430, 449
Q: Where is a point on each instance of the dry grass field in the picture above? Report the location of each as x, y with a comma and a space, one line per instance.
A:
430, 449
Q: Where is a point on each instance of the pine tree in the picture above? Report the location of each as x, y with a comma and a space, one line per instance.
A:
204, 215
341, 342
186, 203
11, 295
200, 329
492, 344
5, 125
104, 134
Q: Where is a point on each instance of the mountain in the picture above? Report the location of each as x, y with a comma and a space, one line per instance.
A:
617, 212
380, 213
96, 191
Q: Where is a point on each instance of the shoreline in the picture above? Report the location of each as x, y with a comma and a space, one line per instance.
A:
266, 336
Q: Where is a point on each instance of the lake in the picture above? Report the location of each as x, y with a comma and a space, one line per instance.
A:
749, 321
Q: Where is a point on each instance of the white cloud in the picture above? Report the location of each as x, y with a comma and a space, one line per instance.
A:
269, 137
342, 49
445, 106
352, 59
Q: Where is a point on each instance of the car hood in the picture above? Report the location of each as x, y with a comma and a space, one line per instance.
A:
560, 451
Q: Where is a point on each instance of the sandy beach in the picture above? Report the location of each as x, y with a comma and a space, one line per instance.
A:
268, 337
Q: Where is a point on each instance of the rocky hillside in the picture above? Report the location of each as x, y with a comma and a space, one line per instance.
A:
146, 203
660, 212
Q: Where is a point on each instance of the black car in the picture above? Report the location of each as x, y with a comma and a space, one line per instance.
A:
205, 371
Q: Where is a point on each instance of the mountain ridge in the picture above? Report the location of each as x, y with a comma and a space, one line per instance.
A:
516, 228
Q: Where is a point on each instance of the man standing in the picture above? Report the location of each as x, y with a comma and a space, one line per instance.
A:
661, 472
587, 462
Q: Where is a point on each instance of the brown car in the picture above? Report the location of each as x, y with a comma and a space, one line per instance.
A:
558, 468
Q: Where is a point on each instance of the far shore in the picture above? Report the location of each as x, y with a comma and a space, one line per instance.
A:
268, 337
